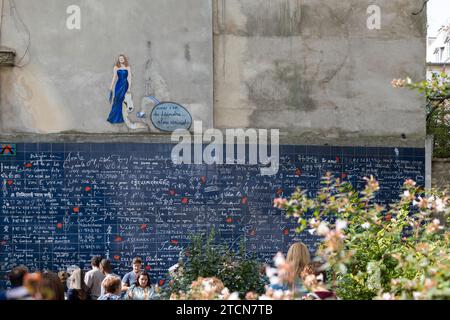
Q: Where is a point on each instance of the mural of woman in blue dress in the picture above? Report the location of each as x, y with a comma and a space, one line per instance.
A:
122, 79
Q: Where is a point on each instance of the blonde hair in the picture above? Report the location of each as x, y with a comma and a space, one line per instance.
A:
298, 256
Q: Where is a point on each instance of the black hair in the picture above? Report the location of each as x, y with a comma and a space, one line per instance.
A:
140, 274
16, 276
95, 261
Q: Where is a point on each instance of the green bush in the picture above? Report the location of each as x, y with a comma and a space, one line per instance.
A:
238, 272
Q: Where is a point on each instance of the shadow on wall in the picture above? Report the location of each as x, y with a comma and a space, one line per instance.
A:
276, 19
285, 85
39, 109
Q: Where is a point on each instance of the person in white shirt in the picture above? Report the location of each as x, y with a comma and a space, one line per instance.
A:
93, 279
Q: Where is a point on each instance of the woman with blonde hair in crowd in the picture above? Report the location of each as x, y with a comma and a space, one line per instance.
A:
298, 258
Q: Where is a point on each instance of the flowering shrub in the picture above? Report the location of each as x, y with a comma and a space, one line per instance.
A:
437, 94
236, 271
206, 289
371, 251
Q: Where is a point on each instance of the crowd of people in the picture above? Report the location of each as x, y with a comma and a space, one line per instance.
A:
99, 283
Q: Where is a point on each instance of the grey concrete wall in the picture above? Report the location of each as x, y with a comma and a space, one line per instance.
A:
64, 85
308, 67
313, 69
441, 173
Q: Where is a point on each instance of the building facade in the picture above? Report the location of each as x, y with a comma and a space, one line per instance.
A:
78, 180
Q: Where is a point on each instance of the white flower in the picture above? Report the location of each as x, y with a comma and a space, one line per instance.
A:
366, 225
274, 280
437, 223
207, 287
270, 272
387, 296
313, 222
417, 295
234, 296
440, 205
225, 292
323, 229
278, 294
311, 231
406, 194
408, 80
174, 268
279, 259
341, 224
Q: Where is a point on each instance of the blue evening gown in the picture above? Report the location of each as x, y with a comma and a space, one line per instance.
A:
119, 96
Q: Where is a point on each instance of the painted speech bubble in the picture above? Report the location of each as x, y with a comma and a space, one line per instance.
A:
170, 116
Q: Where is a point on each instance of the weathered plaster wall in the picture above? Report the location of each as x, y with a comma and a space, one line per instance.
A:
64, 85
441, 173
308, 67
313, 69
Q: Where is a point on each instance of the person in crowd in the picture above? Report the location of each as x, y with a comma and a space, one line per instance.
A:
76, 287
141, 289
93, 279
63, 277
18, 291
130, 278
112, 286
28, 289
17, 275
50, 287
107, 270
298, 257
